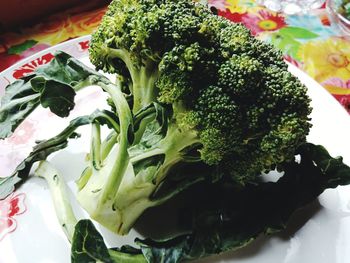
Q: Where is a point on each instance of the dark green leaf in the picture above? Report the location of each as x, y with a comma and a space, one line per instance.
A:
150, 125
88, 245
52, 85
17, 103
18, 49
8, 184
181, 178
67, 70
38, 83
58, 97
230, 217
144, 165
127, 254
169, 251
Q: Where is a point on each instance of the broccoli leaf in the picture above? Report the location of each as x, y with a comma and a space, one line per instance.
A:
229, 217
56, 96
151, 125
40, 152
17, 103
88, 244
52, 85
44, 148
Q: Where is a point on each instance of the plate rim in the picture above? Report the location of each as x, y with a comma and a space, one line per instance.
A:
40, 53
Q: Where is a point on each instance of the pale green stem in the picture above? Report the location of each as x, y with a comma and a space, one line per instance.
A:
146, 155
112, 184
84, 178
108, 144
144, 89
60, 198
96, 146
125, 57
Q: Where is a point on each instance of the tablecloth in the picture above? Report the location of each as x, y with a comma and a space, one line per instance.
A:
309, 41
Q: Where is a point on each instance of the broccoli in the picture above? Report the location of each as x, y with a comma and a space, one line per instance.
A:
192, 90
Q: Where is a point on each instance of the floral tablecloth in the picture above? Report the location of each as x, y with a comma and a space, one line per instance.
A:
310, 41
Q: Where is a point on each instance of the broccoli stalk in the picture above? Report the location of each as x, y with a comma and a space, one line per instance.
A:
57, 186
118, 190
101, 182
69, 222
143, 77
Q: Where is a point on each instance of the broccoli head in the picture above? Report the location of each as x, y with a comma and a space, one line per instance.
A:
203, 91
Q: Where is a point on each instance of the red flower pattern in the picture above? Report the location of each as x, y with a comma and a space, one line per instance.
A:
263, 21
84, 45
31, 66
8, 60
235, 17
10, 207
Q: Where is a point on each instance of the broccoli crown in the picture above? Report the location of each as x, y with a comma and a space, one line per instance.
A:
234, 90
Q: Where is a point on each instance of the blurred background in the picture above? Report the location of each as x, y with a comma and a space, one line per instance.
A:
30, 26
15, 13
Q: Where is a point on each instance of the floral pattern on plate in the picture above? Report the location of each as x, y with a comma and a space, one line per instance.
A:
10, 208
32, 65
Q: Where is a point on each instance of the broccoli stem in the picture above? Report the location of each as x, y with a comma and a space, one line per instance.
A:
144, 91
84, 178
98, 188
108, 144
15, 102
146, 154
89, 81
175, 141
134, 194
143, 78
96, 146
64, 212
122, 158
105, 148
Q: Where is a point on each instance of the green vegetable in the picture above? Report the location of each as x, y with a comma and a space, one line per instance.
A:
222, 98
198, 106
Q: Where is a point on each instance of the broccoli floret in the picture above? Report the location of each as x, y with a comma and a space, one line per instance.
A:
203, 91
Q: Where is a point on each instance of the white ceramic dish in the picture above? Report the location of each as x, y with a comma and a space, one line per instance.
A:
30, 233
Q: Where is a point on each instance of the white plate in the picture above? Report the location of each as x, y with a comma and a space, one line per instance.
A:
30, 232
